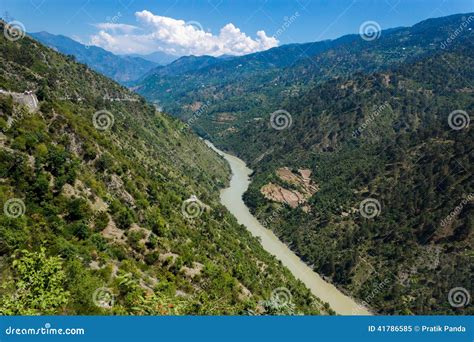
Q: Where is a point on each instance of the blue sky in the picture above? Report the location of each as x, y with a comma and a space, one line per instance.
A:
306, 20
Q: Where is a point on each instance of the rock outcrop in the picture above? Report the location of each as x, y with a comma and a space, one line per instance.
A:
301, 181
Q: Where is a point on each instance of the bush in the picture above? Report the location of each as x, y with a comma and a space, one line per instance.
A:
101, 221
124, 218
39, 286
78, 209
80, 230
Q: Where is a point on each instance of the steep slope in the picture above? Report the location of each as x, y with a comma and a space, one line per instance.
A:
391, 155
110, 207
119, 68
376, 128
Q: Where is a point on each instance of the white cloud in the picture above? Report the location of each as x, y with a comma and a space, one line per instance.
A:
124, 28
174, 36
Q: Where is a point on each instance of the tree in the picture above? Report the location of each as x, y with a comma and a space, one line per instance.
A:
39, 286
78, 209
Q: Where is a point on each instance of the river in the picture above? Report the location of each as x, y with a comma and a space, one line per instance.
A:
231, 198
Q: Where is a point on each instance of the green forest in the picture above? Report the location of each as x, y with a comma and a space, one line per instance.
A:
371, 121
110, 205
93, 219
408, 158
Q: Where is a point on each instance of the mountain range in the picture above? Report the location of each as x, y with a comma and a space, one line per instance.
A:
361, 152
111, 207
121, 68
370, 119
157, 57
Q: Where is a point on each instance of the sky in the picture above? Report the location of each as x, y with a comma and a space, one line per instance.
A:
216, 27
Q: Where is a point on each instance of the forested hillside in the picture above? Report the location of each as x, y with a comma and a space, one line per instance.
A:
222, 95
395, 186
362, 154
110, 207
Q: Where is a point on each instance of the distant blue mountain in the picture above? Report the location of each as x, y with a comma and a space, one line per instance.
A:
120, 68
158, 57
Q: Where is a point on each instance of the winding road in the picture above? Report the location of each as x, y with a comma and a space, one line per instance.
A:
231, 198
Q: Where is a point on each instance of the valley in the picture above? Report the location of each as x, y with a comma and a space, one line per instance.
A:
231, 197
371, 122
321, 178
111, 207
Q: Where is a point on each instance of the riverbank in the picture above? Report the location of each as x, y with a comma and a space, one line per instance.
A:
231, 198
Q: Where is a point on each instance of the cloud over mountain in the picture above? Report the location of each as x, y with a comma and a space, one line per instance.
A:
177, 37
